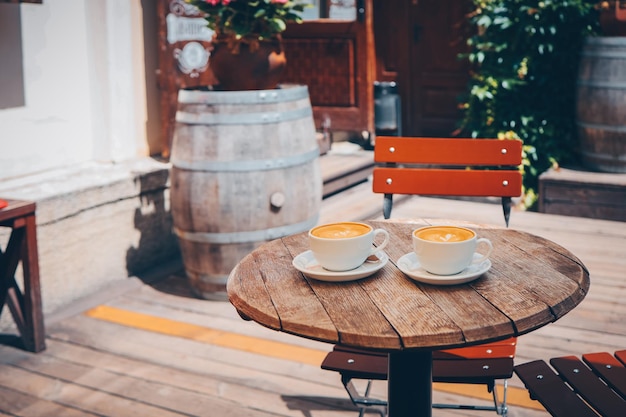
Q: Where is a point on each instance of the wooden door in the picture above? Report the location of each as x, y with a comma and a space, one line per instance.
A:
437, 77
335, 59
417, 45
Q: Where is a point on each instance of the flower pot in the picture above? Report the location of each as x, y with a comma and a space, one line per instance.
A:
245, 170
601, 119
257, 66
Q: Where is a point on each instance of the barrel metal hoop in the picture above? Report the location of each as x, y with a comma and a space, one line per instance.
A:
291, 93
598, 126
603, 84
247, 236
245, 166
243, 118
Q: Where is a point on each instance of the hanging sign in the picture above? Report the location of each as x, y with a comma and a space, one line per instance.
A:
185, 26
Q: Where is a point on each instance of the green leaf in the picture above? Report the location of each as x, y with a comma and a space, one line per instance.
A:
278, 24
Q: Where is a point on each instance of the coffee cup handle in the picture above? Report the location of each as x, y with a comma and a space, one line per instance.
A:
382, 245
484, 256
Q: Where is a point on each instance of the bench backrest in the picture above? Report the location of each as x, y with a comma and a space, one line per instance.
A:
447, 167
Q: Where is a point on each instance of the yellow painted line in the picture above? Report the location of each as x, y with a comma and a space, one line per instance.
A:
207, 335
515, 396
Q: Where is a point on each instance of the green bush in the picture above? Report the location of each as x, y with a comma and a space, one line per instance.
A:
525, 61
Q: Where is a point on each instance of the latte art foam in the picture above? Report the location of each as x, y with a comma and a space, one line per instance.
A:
341, 230
445, 234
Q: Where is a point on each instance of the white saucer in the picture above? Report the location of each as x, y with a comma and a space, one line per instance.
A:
307, 264
411, 267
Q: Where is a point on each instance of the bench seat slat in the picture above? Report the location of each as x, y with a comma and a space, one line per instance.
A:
589, 386
357, 364
548, 388
500, 349
610, 369
472, 371
576, 389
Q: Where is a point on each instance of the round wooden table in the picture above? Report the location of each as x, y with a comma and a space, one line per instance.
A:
532, 282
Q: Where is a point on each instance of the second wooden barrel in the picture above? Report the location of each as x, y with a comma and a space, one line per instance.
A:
245, 170
601, 104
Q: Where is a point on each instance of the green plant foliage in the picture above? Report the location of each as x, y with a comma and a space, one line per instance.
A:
525, 58
249, 21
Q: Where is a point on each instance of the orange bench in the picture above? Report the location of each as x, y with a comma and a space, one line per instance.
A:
447, 167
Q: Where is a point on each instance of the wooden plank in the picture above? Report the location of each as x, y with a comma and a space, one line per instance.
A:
594, 391
235, 327
238, 377
447, 182
560, 400
448, 151
237, 366
76, 395
356, 203
122, 365
19, 404
181, 392
582, 193
333, 300
341, 171
610, 369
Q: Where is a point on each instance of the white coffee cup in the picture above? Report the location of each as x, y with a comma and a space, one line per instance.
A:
346, 245
448, 250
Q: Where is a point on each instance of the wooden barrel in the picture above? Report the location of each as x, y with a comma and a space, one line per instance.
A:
601, 104
245, 170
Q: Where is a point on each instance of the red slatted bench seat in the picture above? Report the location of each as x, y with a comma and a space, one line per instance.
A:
595, 385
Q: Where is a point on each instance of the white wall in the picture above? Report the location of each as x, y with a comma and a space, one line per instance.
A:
84, 89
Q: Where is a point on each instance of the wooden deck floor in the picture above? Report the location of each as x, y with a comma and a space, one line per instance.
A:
149, 348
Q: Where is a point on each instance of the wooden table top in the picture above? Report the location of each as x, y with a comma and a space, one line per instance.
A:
532, 282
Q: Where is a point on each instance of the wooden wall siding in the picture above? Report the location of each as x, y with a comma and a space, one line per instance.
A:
330, 69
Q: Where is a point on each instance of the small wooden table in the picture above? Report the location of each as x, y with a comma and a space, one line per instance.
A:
532, 282
22, 246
